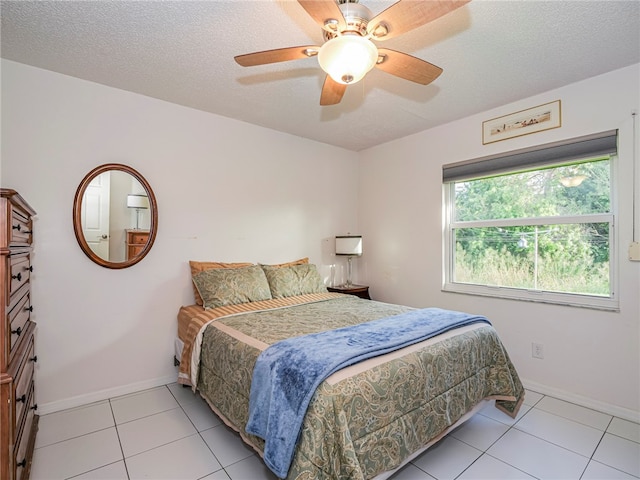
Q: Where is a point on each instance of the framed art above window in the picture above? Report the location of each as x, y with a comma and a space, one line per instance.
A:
524, 122
536, 224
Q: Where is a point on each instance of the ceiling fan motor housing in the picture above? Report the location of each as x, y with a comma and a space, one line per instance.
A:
356, 17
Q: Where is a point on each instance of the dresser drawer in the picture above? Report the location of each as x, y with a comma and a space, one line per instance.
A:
139, 238
18, 416
19, 270
20, 461
134, 251
23, 383
20, 233
17, 320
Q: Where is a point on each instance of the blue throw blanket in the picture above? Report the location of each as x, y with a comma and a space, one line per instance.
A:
287, 373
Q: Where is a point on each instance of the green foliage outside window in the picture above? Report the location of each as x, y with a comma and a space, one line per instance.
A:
541, 233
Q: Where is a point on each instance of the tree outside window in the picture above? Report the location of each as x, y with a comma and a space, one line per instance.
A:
541, 230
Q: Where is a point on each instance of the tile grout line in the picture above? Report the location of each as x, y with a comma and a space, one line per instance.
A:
611, 417
199, 433
605, 430
513, 426
555, 444
115, 424
512, 466
57, 442
485, 451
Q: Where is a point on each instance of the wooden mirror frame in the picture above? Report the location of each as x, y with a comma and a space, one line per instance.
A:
77, 215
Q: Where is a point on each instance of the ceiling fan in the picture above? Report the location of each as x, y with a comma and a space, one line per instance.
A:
348, 53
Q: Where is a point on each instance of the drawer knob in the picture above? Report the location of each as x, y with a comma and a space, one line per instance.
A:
22, 464
18, 276
17, 331
29, 308
16, 227
29, 268
22, 399
34, 359
35, 407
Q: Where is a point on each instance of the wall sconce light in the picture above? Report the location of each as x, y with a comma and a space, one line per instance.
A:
138, 202
350, 246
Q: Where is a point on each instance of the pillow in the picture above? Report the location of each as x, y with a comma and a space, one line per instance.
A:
293, 280
290, 264
197, 267
229, 286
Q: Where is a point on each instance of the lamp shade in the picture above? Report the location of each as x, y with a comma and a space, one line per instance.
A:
349, 245
573, 181
347, 58
137, 201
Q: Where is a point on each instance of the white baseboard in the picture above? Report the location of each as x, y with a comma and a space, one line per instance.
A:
80, 400
616, 411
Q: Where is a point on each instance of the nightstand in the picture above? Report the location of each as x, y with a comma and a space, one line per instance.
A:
361, 291
136, 241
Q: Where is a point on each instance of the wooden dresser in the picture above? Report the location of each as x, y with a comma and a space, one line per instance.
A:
136, 241
18, 419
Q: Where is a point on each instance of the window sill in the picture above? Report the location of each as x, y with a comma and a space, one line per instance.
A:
537, 296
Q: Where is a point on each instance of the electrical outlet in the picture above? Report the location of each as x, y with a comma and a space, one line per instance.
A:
537, 350
634, 251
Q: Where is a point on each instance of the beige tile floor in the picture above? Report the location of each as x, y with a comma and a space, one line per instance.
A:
169, 433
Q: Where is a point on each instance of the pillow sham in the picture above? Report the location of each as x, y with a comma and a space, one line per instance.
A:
293, 280
300, 261
229, 286
197, 267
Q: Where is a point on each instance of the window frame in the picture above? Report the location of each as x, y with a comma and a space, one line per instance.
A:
610, 302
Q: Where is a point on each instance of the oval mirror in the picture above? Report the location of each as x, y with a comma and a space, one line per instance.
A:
115, 216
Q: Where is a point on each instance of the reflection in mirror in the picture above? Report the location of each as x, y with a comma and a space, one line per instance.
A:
111, 205
115, 217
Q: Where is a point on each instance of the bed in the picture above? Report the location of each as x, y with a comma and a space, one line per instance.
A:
363, 421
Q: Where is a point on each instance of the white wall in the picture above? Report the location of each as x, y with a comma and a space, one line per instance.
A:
231, 191
226, 191
591, 357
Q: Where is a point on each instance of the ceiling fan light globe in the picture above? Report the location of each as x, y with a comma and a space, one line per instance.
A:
347, 58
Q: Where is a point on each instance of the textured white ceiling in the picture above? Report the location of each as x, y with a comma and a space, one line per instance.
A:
492, 52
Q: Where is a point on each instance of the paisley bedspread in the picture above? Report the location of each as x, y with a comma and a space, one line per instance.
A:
368, 418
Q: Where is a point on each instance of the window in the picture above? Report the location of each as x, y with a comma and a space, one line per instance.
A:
536, 224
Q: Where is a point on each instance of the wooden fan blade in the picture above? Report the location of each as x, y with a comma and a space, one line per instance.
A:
332, 91
406, 15
326, 13
277, 55
406, 66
